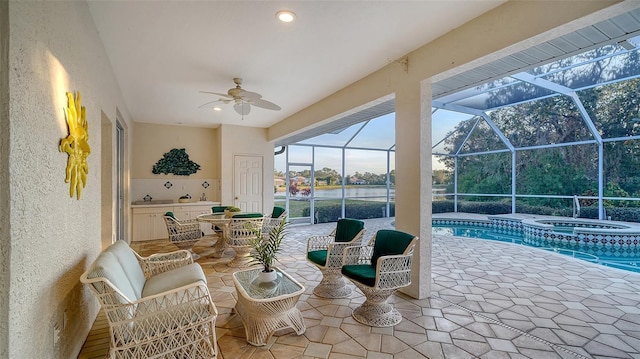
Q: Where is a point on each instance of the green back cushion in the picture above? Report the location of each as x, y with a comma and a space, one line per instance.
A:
389, 242
318, 257
347, 229
170, 214
248, 215
277, 212
363, 273
218, 209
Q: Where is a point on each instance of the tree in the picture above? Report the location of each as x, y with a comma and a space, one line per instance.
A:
614, 109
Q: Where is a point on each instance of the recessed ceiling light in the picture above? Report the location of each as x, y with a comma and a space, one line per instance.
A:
285, 16
217, 109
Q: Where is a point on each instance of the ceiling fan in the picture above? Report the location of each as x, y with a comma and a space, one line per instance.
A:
242, 99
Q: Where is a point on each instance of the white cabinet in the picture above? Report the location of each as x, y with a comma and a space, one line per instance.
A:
192, 212
148, 221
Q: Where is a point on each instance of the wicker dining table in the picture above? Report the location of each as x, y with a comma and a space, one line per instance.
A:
222, 221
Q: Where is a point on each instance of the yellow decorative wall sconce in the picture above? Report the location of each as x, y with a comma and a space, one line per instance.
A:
76, 145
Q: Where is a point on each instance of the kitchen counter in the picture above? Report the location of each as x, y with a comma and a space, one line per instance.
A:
165, 203
148, 217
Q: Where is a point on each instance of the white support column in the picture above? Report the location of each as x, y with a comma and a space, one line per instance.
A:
413, 178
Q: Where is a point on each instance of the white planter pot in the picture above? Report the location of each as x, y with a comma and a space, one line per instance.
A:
265, 277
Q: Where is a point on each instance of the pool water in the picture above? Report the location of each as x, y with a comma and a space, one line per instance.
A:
629, 260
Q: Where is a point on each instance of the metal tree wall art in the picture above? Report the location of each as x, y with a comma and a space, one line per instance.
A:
76, 145
176, 162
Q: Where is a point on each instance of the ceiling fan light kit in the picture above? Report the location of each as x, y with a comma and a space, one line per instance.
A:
242, 99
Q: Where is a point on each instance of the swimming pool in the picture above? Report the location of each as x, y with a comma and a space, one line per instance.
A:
626, 257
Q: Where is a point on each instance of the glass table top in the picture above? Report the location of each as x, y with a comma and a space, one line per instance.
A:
248, 282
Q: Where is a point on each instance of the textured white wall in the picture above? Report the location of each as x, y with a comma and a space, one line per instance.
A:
5, 244
54, 47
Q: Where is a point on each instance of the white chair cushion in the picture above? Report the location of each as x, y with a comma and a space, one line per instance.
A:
108, 266
173, 279
130, 265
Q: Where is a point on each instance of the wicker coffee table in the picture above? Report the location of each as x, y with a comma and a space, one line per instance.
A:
267, 307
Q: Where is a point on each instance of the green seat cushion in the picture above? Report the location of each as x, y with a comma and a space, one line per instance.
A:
249, 215
318, 257
218, 209
347, 228
170, 214
389, 242
277, 212
362, 273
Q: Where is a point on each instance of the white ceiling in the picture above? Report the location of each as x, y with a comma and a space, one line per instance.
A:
164, 52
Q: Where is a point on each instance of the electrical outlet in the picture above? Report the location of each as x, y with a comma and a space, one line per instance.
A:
56, 334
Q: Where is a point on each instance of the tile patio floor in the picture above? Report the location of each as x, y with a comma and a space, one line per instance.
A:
489, 300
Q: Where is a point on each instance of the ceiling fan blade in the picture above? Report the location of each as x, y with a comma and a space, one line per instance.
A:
250, 95
265, 104
208, 103
217, 93
242, 108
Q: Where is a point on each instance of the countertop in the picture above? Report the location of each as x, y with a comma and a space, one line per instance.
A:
168, 203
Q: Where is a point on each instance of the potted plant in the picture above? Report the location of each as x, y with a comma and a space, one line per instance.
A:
231, 211
265, 250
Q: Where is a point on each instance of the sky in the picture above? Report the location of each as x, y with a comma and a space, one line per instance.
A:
379, 133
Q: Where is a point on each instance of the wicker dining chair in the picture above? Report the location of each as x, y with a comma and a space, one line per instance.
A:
273, 220
325, 252
378, 270
218, 210
184, 234
242, 228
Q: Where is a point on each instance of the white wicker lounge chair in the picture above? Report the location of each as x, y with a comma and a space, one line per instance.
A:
157, 307
184, 234
378, 270
325, 252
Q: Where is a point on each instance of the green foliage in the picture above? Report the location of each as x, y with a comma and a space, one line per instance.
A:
331, 211
176, 162
445, 206
442, 176
614, 109
624, 214
265, 250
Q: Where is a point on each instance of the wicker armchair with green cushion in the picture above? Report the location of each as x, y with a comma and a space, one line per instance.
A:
325, 252
378, 270
184, 234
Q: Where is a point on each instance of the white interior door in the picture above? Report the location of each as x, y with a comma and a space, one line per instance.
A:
247, 183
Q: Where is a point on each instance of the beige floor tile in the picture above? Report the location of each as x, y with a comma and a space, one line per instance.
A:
489, 300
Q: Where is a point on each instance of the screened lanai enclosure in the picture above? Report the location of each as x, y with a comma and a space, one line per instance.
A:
554, 129
349, 171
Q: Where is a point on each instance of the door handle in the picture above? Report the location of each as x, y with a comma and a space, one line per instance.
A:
236, 197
